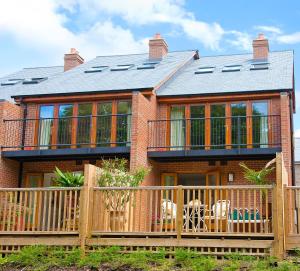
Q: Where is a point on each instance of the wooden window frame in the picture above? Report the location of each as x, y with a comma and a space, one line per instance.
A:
75, 121
228, 122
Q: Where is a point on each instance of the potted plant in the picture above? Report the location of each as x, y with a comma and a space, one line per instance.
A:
115, 173
70, 179
259, 177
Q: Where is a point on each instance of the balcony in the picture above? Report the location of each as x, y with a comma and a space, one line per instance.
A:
214, 138
67, 137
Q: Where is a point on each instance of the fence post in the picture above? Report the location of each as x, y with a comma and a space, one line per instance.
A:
179, 212
86, 203
278, 211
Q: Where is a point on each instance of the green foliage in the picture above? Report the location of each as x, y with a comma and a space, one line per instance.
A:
256, 177
115, 173
42, 258
68, 179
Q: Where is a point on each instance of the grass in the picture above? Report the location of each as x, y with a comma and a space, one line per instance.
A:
42, 258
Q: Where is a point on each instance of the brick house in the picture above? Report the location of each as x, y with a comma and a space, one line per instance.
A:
192, 118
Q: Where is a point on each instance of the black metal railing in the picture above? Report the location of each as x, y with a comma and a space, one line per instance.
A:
67, 132
214, 133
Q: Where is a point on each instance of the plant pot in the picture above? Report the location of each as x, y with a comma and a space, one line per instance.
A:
117, 220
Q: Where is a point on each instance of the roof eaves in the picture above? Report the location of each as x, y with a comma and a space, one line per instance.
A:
81, 93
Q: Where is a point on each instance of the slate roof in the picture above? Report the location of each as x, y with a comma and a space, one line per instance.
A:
279, 76
77, 81
297, 149
38, 72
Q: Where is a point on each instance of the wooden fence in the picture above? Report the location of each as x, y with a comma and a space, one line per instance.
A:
39, 210
219, 217
183, 210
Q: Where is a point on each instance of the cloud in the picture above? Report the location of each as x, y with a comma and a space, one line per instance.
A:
268, 28
297, 133
150, 12
289, 38
241, 40
38, 24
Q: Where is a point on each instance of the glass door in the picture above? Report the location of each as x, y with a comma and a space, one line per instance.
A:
177, 125
197, 121
238, 125
84, 123
217, 126
45, 126
260, 129
64, 131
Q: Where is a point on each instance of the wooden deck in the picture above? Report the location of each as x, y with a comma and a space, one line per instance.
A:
252, 220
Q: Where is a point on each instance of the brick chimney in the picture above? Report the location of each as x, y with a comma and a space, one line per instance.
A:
72, 60
158, 47
260, 47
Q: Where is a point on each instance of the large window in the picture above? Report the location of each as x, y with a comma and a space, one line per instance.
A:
217, 126
123, 123
197, 121
104, 119
177, 125
45, 126
91, 124
84, 123
238, 125
260, 129
65, 120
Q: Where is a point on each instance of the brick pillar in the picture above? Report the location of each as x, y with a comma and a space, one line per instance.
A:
286, 143
9, 169
143, 109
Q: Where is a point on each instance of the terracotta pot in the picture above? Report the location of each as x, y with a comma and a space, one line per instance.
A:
117, 220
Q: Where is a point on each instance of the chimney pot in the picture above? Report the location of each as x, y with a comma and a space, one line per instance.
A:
260, 47
72, 59
158, 47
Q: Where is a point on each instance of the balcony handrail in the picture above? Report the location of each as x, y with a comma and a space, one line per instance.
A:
225, 187
69, 117
205, 118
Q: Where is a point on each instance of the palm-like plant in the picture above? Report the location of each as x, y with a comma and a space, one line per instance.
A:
257, 177
68, 179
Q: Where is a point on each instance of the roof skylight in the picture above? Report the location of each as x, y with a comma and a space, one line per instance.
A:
262, 65
204, 70
147, 65
96, 69
34, 80
122, 67
231, 68
11, 82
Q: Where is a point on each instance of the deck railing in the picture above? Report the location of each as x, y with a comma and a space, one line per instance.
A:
214, 133
67, 132
39, 210
183, 210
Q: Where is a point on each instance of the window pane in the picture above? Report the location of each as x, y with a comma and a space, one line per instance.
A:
84, 122
45, 126
217, 126
104, 111
177, 127
238, 125
197, 126
124, 123
64, 133
260, 129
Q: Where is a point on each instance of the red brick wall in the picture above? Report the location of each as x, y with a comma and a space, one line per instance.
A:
143, 109
9, 170
286, 134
